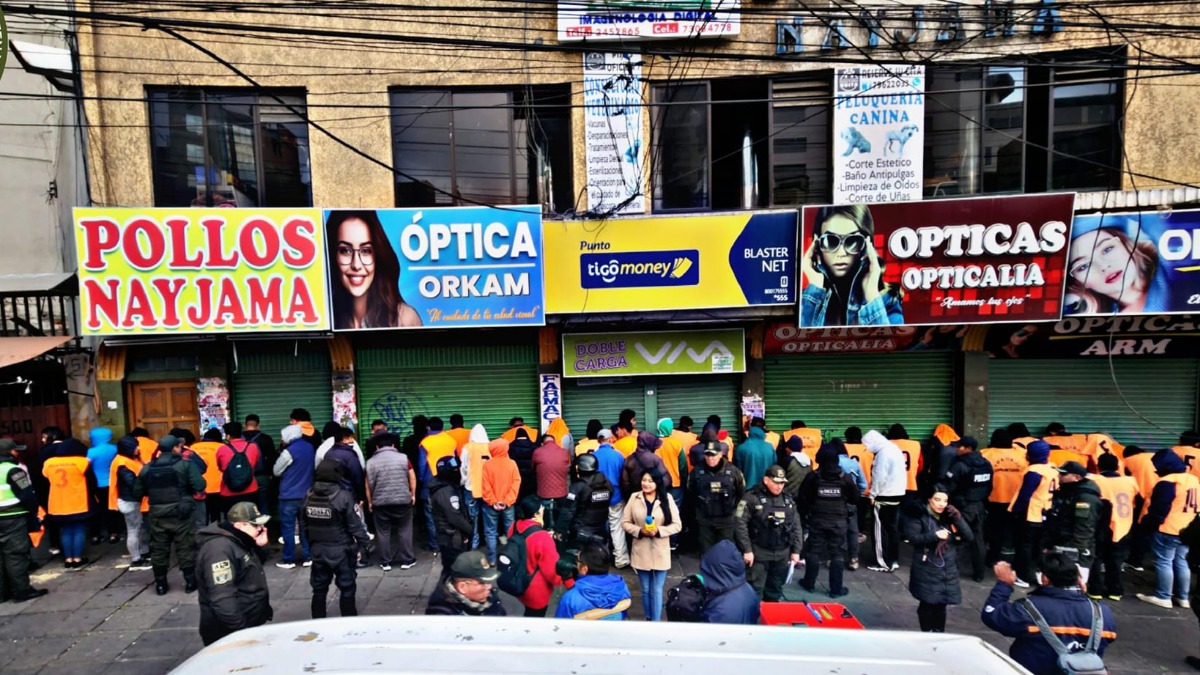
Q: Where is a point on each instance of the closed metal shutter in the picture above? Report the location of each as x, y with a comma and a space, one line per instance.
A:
1081, 394
585, 399
272, 379
486, 385
872, 391
699, 397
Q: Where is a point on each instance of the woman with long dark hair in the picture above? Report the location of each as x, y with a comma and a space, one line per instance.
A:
651, 518
366, 288
932, 528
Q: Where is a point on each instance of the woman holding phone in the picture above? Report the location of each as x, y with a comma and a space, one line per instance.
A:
844, 274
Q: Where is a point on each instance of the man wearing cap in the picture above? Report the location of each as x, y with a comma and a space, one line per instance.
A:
18, 509
969, 479
715, 487
470, 589
336, 533
610, 464
233, 588
1074, 517
768, 533
169, 481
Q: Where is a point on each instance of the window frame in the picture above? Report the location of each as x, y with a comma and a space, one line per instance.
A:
659, 110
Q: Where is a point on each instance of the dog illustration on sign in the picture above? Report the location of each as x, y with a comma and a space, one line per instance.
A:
855, 141
896, 138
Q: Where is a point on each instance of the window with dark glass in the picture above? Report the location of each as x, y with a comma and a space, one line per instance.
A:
461, 147
800, 142
228, 147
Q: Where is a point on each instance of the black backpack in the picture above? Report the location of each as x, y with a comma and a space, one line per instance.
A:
238, 473
685, 602
513, 564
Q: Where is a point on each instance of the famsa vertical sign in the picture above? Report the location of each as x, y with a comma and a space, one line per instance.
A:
200, 270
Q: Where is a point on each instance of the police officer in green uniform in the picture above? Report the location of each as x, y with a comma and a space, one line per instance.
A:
233, 588
769, 534
170, 481
716, 486
18, 517
336, 533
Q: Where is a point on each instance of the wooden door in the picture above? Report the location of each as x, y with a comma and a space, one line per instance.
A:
161, 406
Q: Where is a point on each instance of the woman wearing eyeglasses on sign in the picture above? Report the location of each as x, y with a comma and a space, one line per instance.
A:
366, 292
844, 273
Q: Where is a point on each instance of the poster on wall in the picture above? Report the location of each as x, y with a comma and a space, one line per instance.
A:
612, 132
696, 352
180, 271
1164, 336
879, 134
633, 20
1134, 263
459, 267
953, 261
671, 263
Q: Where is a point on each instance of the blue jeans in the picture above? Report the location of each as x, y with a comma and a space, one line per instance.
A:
549, 512
491, 518
652, 582
288, 509
1170, 566
430, 529
73, 536
473, 512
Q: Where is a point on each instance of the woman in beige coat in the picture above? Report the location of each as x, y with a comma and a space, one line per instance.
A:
651, 553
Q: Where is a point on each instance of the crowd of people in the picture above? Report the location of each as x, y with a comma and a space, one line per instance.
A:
530, 513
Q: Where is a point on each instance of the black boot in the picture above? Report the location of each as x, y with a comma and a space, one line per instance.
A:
189, 581
160, 581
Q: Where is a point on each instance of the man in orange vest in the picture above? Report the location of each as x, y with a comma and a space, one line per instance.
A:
913, 460
1029, 508
436, 445
1174, 504
122, 498
1140, 465
209, 502
1118, 496
1189, 451
1008, 467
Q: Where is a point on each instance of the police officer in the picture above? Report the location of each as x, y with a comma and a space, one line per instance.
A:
170, 481
825, 497
1075, 517
18, 517
769, 534
450, 517
584, 515
716, 486
970, 481
233, 588
335, 532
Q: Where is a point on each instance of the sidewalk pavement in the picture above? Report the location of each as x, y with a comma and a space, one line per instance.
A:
109, 620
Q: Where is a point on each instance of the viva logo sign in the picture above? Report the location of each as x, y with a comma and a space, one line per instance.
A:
654, 353
643, 269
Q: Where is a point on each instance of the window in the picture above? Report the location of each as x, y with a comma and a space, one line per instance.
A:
227, 147
800, 142
1053, 125
492, 147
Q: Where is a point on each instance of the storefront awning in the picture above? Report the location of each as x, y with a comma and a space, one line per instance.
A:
14, 350
32, 283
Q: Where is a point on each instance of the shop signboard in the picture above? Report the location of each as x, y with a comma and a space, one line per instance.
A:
180, 271
1166, 336
550, 393
462, 267
695, 352
1134, 263
945, 262
641, 20
786, 338
671, 263
879, 134
612, 132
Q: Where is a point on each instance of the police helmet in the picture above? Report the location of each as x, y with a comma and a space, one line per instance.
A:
448, 468
586, 464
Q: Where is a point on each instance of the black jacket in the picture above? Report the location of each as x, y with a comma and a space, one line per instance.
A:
443, 603
127, 485
934, 576
232, 586
969, 479
585, 510
521, 452
1074, 518
450, 517
808, 490
347, 524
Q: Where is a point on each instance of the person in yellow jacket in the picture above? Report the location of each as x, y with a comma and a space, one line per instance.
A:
1029, 508
123, 475
591, 442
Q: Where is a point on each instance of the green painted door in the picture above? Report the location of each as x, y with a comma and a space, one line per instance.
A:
273, 378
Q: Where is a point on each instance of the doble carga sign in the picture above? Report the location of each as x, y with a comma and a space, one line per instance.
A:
200, 270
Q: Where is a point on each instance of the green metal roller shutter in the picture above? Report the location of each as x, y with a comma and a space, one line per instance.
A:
585, 399
1081, 395
271, 380
699, 397
486, 385
872, 391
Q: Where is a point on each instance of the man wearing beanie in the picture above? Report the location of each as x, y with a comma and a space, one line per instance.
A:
541, 556
335, 533
1173, 506
123, 498
169, 482
1029, 507
824, 497
644, 460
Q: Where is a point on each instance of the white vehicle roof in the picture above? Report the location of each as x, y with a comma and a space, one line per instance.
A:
503, 645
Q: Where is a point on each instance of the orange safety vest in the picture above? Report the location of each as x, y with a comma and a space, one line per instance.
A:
1103, 444
1043, 496
912, 460
146, 448
586, 445
1141, 467
133, 465
35, 538
811, 438
1120, 492
1190, 456
207, 451
1186, 504
1008, 467
626, 445
68, 485
460, 435
859, 453
436, 447
773, 439
686, 440
669, 452
1073, 442
1062, 456
1022, 443
511, 434
477, 456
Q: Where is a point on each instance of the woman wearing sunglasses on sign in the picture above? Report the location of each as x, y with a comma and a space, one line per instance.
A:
844, 274
366, 293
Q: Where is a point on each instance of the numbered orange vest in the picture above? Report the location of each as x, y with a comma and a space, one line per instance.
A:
1008, 467
1103, 444
1061, 456
912, 460
133, 465
1022, 443
68, 485
1072, 442
1121, 492
811, 438
146, 449
1141, 467
1043, 496
1186, 504
859, 453
207, 451
1190, 456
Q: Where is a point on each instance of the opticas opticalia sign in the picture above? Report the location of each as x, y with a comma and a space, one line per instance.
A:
200, 270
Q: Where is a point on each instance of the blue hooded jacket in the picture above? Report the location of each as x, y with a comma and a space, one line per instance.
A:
594, 591
1166, 462
611, 464
730, 598
101, 455
754, 456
